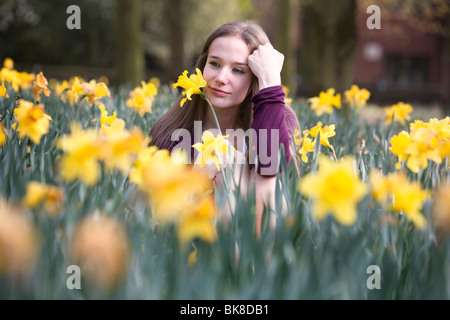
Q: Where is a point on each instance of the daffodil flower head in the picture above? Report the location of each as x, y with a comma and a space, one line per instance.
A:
212, 146
192, 84
3, 91
335, 189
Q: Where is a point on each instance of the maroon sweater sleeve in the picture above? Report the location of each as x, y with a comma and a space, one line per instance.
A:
271, 128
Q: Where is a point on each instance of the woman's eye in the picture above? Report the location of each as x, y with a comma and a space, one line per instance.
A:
214, 64
240, 71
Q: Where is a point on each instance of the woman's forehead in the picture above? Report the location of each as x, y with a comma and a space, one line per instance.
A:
229, 48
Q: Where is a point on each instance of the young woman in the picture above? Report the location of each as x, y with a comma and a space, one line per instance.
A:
242, 71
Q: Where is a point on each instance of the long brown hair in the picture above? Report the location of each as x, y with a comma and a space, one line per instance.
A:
195, 110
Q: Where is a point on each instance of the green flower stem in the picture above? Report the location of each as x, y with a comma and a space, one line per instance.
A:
224, 177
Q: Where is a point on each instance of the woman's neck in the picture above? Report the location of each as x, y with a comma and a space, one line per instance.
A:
228, 119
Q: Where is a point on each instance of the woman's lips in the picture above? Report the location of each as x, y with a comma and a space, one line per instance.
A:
218, 92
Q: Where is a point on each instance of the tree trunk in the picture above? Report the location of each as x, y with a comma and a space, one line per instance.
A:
285, 43
328, 44
130, 63
174, 15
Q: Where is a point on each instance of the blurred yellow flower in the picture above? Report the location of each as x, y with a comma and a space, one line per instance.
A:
192, 85
94, 91
192, 258
80, 160
100, 247
119, 146
31, 121
144, 157
71, 92
399, 112
40, 86
440, 213
297, 139
335, 189
357, 97
325, 133
210, 147
141, 98
164, 179
425, 141
396, 193
3, 91
104, 117
52, 197
19, 242
2, 134
198, 222
8, 63
307, 145
325, 101
16, 79
399, 145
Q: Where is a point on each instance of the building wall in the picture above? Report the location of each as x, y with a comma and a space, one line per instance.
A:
397, 62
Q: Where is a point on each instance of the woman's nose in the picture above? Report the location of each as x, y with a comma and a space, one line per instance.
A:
222, 76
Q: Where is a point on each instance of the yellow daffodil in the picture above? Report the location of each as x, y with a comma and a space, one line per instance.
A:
326, 132
73, 91
119, 146
335, 189
141, 98
144, 157
94, 91
31, 121
2, 134
192, 85
165, 179
325, 101
101, 248
80, 160
399, 145
396, 193
105, 118
51, 196
198, 222
3, 91
425, 141
357, 97
399, 112
40, 86
212, 146
307, 145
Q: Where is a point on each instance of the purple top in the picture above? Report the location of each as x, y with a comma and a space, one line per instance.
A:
274, 124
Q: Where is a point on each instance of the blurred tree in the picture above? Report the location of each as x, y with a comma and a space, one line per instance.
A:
34, 33
286, 41
328, 44
129, 59
174, 14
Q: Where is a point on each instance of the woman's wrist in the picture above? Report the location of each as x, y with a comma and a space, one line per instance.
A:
269, 82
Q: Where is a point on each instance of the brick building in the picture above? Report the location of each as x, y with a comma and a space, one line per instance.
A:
400, 63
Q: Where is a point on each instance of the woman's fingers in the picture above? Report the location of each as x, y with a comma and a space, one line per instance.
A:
266, 64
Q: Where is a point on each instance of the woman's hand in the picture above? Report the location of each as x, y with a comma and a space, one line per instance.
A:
266, 64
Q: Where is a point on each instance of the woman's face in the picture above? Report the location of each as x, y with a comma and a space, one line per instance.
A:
227, 72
